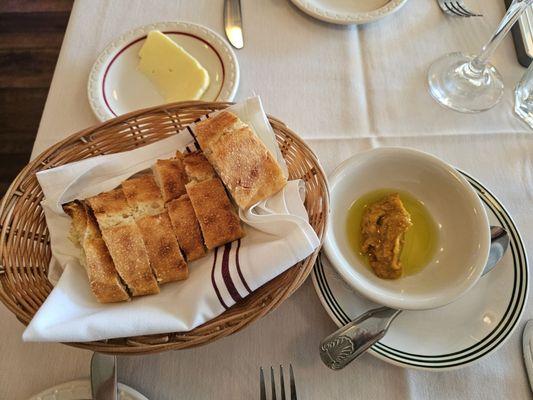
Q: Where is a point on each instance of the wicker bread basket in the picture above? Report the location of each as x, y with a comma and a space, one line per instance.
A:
24, 240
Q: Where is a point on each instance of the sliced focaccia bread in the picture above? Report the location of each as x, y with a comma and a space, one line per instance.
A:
248, 169
144, 198
196, 166
217, 218
124, 241
163, 250
76, 211
143, 195
186, 227
103, 278
171, 178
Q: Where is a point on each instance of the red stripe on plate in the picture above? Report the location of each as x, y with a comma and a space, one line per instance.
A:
144, 37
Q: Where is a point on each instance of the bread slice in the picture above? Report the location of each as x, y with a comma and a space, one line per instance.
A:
212, 129
110, 208
248, 169
217, 218
103, 278
124, 241
213, 211
171, 178
129, 254
186, 227
163, 250
197, 168
76, 211
144, 198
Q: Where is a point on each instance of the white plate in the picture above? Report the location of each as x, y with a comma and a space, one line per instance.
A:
116, 86
452, 336
349, 11
81, 390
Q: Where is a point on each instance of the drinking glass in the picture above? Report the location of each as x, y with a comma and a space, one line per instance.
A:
523, 97
469, 83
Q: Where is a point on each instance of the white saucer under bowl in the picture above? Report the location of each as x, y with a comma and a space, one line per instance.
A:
347, 12
116, 86
81, 390
452, 336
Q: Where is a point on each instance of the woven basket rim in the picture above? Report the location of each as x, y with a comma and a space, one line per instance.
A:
153, 343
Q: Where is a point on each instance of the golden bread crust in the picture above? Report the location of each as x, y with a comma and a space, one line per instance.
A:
76, 212
248, 169
213, 128
217, 218
103, 278
108, 203
170, 176
110, 208
124, 241
197, 167
163, 250
186, 227
143, 195
131, 260
144, 198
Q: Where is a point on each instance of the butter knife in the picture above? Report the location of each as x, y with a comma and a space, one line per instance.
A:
233, 23
527, 346
104, 377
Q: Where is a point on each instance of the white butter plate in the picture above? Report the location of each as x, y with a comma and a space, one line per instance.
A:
116, 86
452, 336
81, 390
349, 11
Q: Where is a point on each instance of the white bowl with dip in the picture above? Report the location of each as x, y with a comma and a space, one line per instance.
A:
463, 228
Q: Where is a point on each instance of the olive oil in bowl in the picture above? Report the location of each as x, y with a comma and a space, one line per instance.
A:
420, 239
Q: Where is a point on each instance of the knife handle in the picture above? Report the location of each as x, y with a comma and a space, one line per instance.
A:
233, 23
232, 12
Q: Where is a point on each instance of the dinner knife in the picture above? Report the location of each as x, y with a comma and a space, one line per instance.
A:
527, 345
233, 23
104, 377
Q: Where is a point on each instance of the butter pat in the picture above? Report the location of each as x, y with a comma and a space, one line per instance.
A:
177, 75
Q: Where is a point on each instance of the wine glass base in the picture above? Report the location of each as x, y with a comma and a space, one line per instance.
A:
455, 86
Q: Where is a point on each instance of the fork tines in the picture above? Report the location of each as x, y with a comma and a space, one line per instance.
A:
457, 8
273, 390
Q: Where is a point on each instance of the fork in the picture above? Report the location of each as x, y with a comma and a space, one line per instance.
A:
262, 388
456, 8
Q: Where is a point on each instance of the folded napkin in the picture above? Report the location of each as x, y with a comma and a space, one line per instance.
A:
278, 235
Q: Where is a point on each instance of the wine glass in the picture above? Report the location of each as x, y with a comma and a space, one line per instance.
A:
469, 83
523, 101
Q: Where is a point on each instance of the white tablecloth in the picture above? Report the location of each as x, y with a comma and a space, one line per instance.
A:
344, 89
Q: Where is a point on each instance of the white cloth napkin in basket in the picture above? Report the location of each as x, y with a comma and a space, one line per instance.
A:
278, 235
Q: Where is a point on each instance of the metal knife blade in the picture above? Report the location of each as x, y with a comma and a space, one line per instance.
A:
104, 377
527, 346
233, 23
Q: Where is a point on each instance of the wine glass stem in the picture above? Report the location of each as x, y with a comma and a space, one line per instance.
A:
517, 8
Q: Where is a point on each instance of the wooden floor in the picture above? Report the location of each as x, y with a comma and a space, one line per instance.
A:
31, 32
